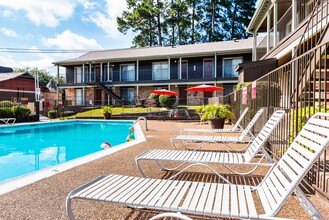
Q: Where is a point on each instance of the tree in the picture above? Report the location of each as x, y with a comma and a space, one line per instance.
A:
144, 18
211, 22
44, 76
238, 14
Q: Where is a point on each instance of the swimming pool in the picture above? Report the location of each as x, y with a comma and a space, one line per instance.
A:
29, 148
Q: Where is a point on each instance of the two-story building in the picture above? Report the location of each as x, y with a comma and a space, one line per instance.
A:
123, 75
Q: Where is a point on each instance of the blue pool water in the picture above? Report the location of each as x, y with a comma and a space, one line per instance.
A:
28, 148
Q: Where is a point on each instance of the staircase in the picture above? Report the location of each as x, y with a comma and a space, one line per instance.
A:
108, 91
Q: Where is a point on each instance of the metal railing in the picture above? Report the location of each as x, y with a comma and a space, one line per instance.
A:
284, 89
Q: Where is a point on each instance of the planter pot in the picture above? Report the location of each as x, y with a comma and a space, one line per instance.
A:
217, 123
107, 115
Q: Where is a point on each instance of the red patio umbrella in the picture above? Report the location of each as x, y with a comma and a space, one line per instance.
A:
164, 92
204, 88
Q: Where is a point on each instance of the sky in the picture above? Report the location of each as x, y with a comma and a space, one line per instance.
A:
39, 25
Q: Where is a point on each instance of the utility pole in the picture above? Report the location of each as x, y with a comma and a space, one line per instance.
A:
37, 93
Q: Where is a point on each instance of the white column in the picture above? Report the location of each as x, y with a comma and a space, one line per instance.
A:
89, 72
169, 67
215, 65
137, 92
83, 95
275, 22
293, 15
180, 68
254, 49
83, 73
137, 70
101, 73
108, 71
57, 91
268, 43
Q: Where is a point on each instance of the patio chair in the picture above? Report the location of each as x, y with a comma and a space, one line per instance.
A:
228, 200
8, 120
202, 139
236, 128
223, 158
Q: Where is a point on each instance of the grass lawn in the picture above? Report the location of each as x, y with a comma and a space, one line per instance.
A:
120, 110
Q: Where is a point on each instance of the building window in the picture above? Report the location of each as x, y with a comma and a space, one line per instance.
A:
78, 97
229, 66
127, 72
77, 74
160, 70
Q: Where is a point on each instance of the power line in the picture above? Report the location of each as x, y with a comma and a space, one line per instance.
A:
26, 50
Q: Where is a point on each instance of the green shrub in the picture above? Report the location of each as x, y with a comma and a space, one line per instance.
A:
68, 113
6, 113
156, 98
52, 114
20, 111
167, 101
6, 103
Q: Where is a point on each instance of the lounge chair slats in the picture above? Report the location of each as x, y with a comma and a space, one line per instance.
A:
213, 198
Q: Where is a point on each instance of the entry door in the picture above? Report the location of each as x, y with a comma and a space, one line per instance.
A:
98, 74
184, 69
208, 68
182, 95
98, 97
131, 96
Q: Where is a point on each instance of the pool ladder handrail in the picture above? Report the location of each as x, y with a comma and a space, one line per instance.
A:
141, 117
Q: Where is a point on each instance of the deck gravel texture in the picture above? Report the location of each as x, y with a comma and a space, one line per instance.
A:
45, 199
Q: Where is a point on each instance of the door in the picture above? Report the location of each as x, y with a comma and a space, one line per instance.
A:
182, 98
98, 74
131, 96
184, 69
208, 68
98, 97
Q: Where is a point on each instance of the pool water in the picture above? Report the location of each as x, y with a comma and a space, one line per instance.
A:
28, 148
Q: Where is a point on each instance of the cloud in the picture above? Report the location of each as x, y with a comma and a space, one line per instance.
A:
90, 5
71, 41
45, 12
107, 20
8, 32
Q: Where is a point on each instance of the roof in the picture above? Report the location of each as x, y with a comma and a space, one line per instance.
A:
12, 75
259, 15
143, 53
4, 69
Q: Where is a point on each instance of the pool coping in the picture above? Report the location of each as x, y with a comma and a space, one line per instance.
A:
19, 182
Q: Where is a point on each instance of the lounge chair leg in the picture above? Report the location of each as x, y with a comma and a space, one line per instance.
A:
307, 204
170, 214
68, 207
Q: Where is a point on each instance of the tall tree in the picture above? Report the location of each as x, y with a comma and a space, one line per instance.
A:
238, 14
211, 22
195, 17
143, 17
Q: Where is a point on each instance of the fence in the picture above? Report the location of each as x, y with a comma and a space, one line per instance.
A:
301, 87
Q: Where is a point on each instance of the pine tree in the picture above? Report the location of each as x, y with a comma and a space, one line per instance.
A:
238, 14
143, 17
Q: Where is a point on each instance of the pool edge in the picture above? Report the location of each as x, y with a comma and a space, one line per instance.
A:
19, 182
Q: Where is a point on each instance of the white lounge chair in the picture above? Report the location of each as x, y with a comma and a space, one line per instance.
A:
236, 128
202, 139
8, 120
228, 200
223, 158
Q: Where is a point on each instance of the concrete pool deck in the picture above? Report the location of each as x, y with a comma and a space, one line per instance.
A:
46, 198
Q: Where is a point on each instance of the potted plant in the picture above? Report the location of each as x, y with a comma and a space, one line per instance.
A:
217, 115
107, 112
